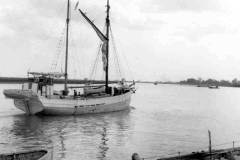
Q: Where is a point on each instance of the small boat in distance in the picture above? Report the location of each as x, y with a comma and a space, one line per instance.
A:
28, 155
39, 97
155, 83
202, 85
213, 87
208, 86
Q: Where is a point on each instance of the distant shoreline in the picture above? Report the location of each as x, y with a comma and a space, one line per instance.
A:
16, 80
204, 83
189, 81
13, 80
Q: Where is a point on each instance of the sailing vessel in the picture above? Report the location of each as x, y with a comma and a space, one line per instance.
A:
39, 97
213, 87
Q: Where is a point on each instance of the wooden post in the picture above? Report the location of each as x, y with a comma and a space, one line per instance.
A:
233, 145
135, 156
179, 153
210, 144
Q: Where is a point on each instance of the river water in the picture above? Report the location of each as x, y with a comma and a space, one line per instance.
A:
165, 120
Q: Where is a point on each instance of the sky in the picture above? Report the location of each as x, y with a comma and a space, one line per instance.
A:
164, 40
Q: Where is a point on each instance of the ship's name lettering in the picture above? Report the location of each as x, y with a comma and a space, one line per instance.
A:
92, 105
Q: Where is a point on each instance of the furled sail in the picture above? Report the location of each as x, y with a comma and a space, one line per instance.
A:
104, 55
101, 36
99, 33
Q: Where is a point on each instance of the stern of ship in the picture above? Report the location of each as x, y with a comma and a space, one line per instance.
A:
25, 100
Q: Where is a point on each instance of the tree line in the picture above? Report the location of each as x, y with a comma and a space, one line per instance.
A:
192, 81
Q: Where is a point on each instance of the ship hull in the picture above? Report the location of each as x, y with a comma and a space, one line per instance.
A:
88, 109
32, 105
86, 105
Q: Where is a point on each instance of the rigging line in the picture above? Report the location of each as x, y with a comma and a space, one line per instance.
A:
116, 68
62, 62
54, 64
113, 60
94, 66
103, 76
58, 50
128, 66
95, 62
98, 61
91, 76
115, 51
78, 69
74, 58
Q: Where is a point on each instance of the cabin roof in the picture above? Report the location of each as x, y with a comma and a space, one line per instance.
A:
47, 74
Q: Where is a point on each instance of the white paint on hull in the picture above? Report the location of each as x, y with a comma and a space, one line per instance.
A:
86, 106
80, 110
69, 106
30, 107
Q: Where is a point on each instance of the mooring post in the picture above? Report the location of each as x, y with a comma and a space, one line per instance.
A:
135, 156
210, 144
233, 145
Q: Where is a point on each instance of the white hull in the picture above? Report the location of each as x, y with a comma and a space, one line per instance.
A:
55, 106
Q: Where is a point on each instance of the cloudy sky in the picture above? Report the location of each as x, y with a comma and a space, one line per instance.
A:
155, 39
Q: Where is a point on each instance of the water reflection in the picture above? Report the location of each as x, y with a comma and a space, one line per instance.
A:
27, 133
103, 147
62, 145
73, 137
24, 126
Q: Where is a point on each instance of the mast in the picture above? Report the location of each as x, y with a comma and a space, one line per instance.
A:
107, 53
66, 56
